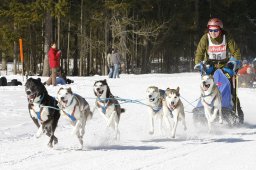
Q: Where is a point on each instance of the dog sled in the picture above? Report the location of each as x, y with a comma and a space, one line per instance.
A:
224, 86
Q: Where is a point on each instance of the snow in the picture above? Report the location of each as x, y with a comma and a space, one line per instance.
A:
223, 149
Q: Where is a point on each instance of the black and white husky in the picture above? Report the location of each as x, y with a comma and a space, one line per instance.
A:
155, 100
108, 105
75, 109
211, 99
43, 109
175, 105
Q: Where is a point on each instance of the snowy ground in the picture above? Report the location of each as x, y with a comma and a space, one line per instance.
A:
195, 149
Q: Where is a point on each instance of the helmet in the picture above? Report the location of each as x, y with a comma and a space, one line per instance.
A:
215, 22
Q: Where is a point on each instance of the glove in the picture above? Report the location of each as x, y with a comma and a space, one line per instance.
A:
234, 64
209, 69
204, 68
197, 67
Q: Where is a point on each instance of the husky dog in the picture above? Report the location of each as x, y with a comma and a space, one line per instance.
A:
211, 99
155, 102
108, 105
43, 109
175, 105
75, 109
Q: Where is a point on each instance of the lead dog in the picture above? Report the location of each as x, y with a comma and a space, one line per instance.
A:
108, 105
43, 109
211, 99
75, 109
155, 100
174, 104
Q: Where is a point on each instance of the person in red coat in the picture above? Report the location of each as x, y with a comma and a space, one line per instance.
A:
246, 74
54, 62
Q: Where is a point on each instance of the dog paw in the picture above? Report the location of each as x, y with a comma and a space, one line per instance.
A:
220, 121
55, 141
50, 145
151, 132
81, 141
39, 133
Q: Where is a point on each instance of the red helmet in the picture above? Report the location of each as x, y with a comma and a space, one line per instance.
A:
215, 22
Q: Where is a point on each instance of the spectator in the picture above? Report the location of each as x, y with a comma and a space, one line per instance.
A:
246, 75
109, 64
54, 62
116, 62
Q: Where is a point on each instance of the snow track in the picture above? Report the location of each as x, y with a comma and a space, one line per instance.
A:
223, 149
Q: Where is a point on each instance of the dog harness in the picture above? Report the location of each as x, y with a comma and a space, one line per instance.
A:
38, 114
158, 107
71, 116
106, 103
209, 104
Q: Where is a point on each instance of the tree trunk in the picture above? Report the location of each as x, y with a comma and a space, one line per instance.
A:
75, 64
58, 40
4, 62
68, 48
47, 41
81, 41
15, 53
145, 68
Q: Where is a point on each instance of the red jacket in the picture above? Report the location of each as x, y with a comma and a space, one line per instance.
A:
243, 70
54, 58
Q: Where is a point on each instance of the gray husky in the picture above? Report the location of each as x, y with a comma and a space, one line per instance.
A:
108, 105
211, 99
175, 105
75, 109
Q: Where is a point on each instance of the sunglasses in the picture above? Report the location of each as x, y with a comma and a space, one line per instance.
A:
216, 30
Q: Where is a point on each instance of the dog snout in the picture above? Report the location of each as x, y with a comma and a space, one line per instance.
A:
149, 96
172, 103
98, 89
62, 98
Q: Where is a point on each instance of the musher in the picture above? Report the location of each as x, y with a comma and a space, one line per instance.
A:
213, 50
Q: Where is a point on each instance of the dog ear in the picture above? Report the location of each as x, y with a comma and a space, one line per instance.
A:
69, 90
60, 90
39, 79
178, 89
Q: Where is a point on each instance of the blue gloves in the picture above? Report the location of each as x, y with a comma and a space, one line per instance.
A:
204, 68
232, 66
209, 69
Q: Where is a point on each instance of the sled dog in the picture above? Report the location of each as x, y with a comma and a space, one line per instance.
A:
43, 109
175, 105
75, 109
155, 100
108, 105
211, 99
